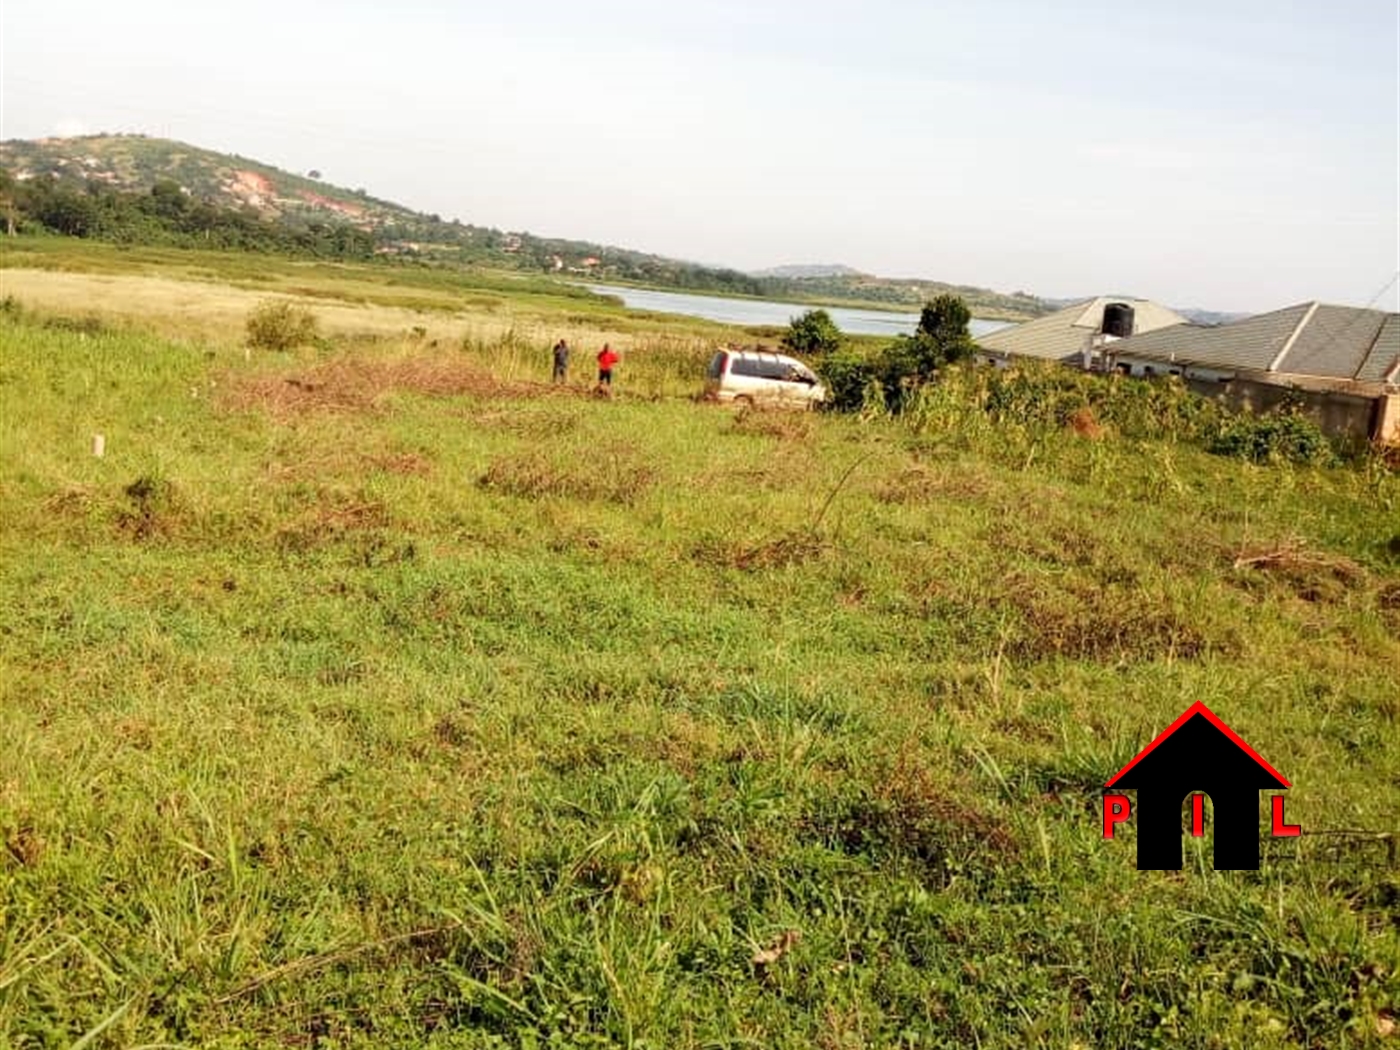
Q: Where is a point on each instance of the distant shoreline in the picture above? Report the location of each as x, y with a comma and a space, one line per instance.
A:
880, 306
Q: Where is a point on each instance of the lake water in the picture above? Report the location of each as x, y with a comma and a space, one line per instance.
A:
767, 312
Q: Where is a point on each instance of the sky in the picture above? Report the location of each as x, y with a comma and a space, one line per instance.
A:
1233, 155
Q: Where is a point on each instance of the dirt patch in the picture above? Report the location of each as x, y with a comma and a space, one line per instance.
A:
349, 385
1083, 423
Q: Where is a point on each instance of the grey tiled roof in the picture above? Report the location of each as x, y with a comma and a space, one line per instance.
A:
1384, 358
1181, 342
1335, 342
1321, 341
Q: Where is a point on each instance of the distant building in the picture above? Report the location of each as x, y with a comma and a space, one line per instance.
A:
1310, 341
1339, 364
1066, 334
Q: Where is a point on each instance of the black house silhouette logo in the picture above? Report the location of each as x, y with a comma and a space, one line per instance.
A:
1198, 753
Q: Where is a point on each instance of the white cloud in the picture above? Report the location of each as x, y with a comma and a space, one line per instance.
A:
69, 128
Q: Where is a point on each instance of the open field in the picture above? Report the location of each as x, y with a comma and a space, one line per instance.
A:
379, 694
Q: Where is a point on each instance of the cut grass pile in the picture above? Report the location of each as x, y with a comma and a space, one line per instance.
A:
382, 695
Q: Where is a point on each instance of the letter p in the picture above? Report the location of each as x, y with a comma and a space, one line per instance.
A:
1116, 809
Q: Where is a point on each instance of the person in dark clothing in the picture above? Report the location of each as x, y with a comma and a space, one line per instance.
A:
561, 361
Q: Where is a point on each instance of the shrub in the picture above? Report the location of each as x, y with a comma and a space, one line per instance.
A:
1268, 439
847, 375
891, 378
813, 333
277, 325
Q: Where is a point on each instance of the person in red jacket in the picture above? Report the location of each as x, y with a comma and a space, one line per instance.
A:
607, 357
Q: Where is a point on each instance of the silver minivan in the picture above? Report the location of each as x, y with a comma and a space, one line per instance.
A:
761, 377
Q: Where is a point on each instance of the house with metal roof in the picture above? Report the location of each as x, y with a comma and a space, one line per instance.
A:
1067, 334
1339, 364
1311, 344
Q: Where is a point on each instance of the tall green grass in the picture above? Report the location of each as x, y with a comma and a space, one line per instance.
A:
464, 712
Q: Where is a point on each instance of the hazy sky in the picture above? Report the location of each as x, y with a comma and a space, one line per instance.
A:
1233, 155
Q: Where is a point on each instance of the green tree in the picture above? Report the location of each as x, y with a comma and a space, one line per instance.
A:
168, 201
813, 333
944, 322
942, 338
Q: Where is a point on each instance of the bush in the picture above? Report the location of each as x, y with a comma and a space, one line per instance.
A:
281, 326
813, 333
1269, 439
847, 376
891, 378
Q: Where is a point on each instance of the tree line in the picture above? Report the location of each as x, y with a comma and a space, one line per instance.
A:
168, 216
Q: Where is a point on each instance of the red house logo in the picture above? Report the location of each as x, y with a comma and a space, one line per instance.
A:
1197, 755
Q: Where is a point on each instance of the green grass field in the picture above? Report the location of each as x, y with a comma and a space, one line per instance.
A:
378, 694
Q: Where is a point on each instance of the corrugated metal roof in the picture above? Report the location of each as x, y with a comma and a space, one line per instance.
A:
1061, 336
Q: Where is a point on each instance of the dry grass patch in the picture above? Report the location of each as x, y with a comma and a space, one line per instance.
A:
351, 385
924, 484
780, 424
615, 478
409, 464
792, 548
1090, 621
332, 516
1310, 575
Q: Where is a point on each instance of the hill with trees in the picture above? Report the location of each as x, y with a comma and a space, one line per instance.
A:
143, 190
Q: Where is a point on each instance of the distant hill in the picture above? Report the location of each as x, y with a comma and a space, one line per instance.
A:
835, 283
115, 165
809, 270
860, 289
1209, 317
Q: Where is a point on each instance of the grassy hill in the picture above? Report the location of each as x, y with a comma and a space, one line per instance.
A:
379, 693
137, 164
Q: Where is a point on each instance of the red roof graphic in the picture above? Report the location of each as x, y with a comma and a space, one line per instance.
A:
1201, 709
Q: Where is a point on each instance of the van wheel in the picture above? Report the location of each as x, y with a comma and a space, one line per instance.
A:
744, 401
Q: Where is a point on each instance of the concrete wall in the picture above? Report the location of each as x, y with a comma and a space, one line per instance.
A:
1387, 425
1338, 414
